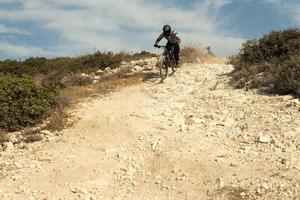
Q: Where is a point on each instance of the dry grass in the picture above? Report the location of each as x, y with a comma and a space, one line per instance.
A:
115, 82
31, 138
3, 137
76, 80
194, 54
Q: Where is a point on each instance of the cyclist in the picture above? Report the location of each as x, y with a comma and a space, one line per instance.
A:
173, 41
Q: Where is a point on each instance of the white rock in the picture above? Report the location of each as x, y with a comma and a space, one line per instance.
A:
263, 138
96, 77
8, 146
243, 194
265, 186
74, 189
107, 69
99, 72
198, 79
138, 68
229, 122
220, 182
46, 132
14, 137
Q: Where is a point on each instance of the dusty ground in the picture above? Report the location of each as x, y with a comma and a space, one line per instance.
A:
193, 137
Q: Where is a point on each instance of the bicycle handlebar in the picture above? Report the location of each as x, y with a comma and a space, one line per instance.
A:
160, 46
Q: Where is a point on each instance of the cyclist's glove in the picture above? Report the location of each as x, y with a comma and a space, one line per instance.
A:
156, 45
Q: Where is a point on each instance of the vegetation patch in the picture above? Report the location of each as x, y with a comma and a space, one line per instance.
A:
23, 102
271, 63
36, 88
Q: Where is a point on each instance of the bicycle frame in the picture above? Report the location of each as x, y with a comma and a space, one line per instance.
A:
167, 61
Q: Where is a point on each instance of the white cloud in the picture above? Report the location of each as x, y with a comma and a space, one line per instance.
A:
122, 24
12, 51
12, 30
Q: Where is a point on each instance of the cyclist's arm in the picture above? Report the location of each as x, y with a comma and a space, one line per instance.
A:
159, 38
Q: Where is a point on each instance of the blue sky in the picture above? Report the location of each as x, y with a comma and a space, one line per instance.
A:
73, 27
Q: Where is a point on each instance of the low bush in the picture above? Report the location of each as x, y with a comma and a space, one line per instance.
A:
272, 61
23, 102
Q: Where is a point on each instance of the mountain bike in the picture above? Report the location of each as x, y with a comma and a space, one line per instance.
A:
166, 61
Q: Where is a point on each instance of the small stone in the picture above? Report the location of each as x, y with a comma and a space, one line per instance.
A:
263, 139
220, 182
259, 191
74, 189
265, 186
131, 171
242, 194
198, 79
283, 161
158, 180
82, 191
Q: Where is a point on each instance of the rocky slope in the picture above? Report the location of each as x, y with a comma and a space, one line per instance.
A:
193, 137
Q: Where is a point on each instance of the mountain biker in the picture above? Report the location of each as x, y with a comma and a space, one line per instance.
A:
173, 41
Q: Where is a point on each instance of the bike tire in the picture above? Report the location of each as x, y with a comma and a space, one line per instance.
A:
163, 69
173, 65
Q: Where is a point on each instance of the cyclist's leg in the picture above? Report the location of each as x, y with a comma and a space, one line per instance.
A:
176, 52
169, 46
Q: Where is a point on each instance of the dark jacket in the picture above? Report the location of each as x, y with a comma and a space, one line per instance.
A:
172, 38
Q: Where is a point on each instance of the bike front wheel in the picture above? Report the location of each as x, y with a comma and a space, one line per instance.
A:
163, 69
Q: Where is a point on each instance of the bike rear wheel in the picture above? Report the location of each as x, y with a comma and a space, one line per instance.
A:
163, 69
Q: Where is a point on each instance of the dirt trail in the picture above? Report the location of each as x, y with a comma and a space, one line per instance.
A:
193, 137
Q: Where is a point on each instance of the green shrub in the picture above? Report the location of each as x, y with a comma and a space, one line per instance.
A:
22, 102
273, 60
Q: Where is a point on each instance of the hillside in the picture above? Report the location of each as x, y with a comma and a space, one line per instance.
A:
193, 137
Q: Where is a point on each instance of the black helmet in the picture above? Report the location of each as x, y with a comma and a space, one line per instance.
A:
167, 29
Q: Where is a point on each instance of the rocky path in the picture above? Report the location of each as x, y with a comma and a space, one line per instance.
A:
193, 137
